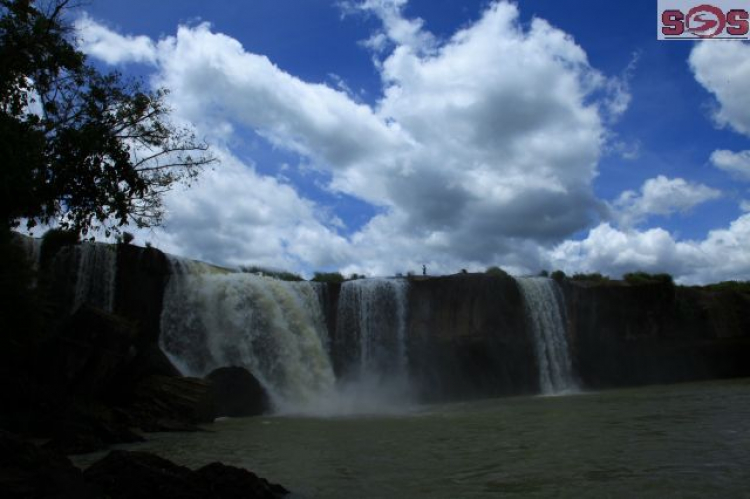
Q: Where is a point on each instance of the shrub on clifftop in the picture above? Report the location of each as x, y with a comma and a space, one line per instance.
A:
593, 277
495, 270
637, 278
558, 275
328, 277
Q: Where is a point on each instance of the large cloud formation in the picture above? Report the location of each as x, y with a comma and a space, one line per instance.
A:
479, 146
721, 256
723, 69
482, 149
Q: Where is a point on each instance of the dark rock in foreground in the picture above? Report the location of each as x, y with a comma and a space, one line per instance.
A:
82, 428
89, 352
164, 403
124, 475
27, 471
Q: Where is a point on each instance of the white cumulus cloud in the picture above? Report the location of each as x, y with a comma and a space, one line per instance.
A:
722, 255
101, 42
237, 216
407, 33
661, 196
723, 68
482, 150
735, 163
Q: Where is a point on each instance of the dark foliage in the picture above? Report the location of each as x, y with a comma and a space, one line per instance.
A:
126, 238
558, 275
54, 239
737, 286
494, 270
328, 277
593, 277
86, 149
636, 278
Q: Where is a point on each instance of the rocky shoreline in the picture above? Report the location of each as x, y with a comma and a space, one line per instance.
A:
81, 382
28, 471
85, 389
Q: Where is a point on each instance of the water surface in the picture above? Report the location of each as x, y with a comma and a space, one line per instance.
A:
688, 440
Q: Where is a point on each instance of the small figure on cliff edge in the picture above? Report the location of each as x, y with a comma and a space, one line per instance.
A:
424, 269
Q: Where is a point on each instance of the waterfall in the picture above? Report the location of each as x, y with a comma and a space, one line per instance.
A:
544, 311
32, 246
371, 328
213, 318
95, 277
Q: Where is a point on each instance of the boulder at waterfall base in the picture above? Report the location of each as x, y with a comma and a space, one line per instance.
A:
236, 392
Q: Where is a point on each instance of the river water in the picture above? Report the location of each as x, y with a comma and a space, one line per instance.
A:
687, 440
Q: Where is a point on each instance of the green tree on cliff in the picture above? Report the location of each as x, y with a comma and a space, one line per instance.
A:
85, 149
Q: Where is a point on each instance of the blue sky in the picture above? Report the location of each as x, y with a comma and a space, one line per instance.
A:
376, 136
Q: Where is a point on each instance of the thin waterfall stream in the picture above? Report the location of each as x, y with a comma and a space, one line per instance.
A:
372, 321
542, 300
95, 278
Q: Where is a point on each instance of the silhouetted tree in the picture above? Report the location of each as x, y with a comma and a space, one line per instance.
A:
86, 149
495, 270
558, 275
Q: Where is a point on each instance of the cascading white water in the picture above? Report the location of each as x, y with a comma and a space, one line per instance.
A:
273, 328
371, 325
95, 277
32, 246
543, 308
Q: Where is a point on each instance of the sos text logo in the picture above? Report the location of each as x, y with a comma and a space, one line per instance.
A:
703, 20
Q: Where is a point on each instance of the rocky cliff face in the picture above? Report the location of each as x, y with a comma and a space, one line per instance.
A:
142, 274
656, 333
468, 335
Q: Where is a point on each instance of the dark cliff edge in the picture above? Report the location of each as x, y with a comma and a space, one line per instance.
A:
622, 334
